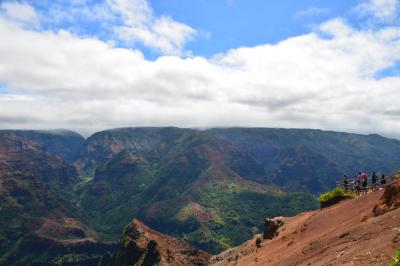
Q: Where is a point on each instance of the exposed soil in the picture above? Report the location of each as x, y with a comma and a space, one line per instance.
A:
347, 233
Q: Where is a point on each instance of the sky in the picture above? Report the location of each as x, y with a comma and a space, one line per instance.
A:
90, 65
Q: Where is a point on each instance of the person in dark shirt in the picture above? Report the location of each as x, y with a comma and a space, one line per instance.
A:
374, 178
364, 180
358, 183
383, 180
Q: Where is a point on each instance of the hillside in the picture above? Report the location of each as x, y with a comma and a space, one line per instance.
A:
38, 225
180, 182
361, 231
208, 185
64, 144
304, 160
312, 160
212, 188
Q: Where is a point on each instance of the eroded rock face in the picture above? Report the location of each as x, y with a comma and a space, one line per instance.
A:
271, 227
38, 225
390, 199
141, 245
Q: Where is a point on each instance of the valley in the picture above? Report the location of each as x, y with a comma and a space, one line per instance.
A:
213, 188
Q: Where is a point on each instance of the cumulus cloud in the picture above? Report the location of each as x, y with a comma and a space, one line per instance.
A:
323, 79
140, 25
383, 10
311, 12
19, 12
130, 23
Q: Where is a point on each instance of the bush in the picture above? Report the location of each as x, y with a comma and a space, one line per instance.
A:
336, 193
334, 196
396, 259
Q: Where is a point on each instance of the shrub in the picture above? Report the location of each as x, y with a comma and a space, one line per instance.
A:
334, 196
396, 259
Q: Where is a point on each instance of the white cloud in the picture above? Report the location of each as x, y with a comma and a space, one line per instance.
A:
19, 12
140, 25
383, 10
324, 79
130, 22
311, 12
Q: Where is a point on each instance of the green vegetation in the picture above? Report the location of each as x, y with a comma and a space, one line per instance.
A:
396, 259
213, 188
75, 259
310, 160
237, 215
190, 192
198, 184
36, 194
335, 194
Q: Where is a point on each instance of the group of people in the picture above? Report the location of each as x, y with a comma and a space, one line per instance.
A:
359, 184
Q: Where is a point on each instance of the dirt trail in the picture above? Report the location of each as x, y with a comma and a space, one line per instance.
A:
347, 233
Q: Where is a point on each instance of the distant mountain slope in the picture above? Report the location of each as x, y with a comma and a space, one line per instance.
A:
180, 182
312, 160
210, 187
63, 143
38, 225
29, 153
361, 231
151, 143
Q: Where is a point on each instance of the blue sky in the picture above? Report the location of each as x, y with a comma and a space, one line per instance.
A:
238, 23
89, 65
221, 24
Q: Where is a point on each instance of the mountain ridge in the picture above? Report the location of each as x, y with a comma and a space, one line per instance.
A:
38, 222
210, 187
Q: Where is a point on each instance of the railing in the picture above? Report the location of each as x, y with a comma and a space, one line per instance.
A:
353, 187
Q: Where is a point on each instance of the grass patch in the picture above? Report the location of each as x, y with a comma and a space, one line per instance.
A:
396, 259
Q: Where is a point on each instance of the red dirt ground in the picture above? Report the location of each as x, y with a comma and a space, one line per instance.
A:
347, 233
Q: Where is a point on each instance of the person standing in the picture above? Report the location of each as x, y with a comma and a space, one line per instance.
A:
364, 180
358, 183
374, 178
383, 180
346, 182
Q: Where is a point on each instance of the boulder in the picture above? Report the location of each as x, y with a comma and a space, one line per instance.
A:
271, 227
390, 199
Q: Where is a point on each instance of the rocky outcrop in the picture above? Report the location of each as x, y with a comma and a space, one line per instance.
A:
271, 227
390, 199
141, 245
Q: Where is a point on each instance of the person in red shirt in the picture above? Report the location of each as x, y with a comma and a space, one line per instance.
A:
364, 182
